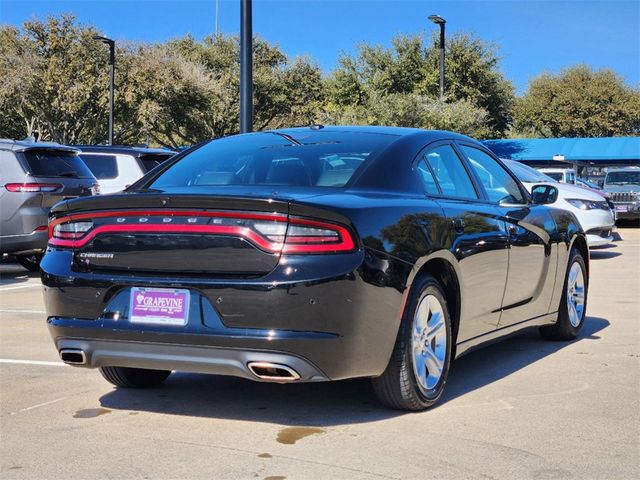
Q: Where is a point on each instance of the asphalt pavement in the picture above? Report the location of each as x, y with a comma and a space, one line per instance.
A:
524, 408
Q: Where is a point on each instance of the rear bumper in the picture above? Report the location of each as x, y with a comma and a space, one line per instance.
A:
34, 242
322, 316
197, 359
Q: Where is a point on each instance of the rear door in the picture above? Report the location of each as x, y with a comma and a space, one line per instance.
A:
532, 263
477, 237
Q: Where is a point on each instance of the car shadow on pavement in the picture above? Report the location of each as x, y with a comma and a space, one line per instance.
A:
305, 404
603, 254
329, 403
12, 273
497, 361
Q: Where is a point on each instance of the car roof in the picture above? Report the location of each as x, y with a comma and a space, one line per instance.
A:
623, 169
136, 151
374, 129
25, 145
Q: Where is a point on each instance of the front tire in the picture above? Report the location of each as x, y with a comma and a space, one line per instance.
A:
573, 305
419, 366
134, 377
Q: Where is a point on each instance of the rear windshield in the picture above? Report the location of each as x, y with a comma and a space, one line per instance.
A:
310, 160
56, 164
103, 167
149, 162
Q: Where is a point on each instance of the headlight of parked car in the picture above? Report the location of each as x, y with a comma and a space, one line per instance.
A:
585, 204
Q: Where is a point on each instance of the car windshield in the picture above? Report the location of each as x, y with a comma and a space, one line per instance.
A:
49, 164
273, 158
623, 178
557, 176
526, 173
587, 183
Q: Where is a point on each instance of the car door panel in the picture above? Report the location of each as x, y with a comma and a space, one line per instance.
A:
479, 242
532, 263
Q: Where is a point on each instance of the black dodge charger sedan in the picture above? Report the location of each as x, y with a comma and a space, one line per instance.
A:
313, 254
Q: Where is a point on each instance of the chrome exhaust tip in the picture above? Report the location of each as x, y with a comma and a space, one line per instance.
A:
73, 356
273, 372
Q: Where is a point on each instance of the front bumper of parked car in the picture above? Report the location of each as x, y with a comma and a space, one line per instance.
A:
598, 225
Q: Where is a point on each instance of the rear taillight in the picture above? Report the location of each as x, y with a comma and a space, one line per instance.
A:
311, 236
273, 233
71, 230
32, 187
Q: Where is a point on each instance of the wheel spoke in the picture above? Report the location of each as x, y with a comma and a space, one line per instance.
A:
434, 368
573, 274
421, 371
435, 325
420, 321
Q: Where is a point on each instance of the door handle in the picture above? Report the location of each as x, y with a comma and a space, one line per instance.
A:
512, 229
458, 224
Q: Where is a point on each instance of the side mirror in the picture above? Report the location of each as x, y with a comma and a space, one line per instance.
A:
544, 194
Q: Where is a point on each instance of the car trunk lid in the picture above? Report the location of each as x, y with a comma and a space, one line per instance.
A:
184, 234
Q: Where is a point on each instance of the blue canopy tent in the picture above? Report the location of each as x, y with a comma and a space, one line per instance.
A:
580, 152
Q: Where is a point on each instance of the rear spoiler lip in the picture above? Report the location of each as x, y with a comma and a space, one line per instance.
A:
47, 148
161, 201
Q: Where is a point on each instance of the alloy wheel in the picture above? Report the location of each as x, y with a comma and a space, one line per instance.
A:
429, 343
575, 294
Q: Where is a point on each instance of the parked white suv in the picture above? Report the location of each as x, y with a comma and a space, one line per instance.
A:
117, 167
562, 175
590, 208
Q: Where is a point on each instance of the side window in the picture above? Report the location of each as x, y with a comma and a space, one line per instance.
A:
451, 175
427, 179
499, 185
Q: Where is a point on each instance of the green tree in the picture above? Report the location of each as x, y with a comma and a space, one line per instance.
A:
382, 85
53, 80
578, 102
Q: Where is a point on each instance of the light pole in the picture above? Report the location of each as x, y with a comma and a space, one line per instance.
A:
438, 20
112, 64
246, 68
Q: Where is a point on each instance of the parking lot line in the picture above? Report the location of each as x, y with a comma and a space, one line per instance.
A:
17, 287
33, 407
33, 362
5, 310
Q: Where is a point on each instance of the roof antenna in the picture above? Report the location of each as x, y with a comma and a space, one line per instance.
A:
316, 126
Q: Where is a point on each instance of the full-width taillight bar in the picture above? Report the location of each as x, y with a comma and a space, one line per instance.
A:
274, 233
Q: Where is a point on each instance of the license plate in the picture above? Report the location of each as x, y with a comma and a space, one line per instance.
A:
621, 208
159, 306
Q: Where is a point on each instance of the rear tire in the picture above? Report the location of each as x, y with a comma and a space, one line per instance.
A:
30, 262
419, 366
573, 304
134, 377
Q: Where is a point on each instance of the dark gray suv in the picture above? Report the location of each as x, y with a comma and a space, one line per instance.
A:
33, 178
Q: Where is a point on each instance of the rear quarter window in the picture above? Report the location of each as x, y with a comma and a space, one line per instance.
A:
55, 164
103, 167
